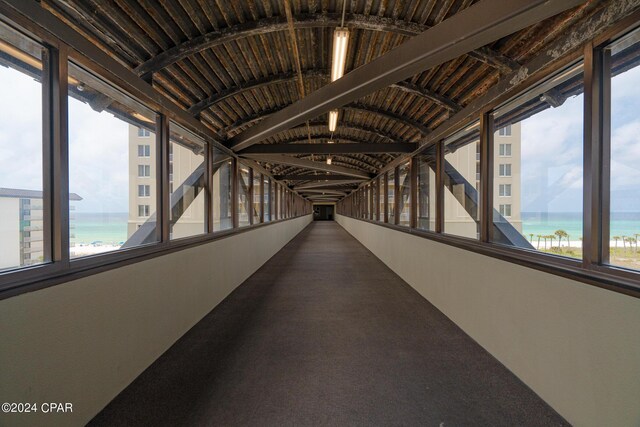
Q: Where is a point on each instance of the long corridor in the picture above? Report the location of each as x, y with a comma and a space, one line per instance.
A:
325, 334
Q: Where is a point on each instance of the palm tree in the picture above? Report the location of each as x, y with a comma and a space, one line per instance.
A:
531, 237
552, 237
539, 237
624, 242
616, 238
561, 234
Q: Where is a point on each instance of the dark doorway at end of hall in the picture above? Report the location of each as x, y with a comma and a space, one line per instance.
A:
323, 212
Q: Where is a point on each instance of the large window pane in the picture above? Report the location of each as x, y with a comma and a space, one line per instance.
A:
221, 191
257, 196
427, 191
244, 201
624, 223
462, 182
381, 198
187, 180
391, 191
404, 192
22, 237
267, 199
106, 169
538, 167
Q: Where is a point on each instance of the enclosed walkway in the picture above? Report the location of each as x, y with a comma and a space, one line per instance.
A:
325, 334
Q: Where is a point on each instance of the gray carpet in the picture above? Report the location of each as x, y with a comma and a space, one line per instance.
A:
325, 334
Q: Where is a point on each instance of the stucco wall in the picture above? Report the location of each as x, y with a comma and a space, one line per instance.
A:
575, 345
84, 341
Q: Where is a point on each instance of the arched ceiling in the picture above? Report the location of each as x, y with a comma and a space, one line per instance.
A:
231, 63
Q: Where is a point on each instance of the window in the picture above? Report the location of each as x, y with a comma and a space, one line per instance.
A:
257, 197
143, 132
505, 190
505, 150
381, 197
505, 210
144, 171
244, 202
267, 199
462, 181
404, 193
143, 210
545, 170
391, 206
505, 169
21, 161
426, 190
505, 131
103, 163
221, 191
187, 201
624, 209
144, 190
144, 151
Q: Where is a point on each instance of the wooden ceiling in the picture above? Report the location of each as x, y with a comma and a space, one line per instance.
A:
231, 63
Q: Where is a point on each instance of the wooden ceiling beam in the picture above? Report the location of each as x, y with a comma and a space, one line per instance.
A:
279, 23
288, 77
308, 164
470, 29
316, 177
357, 107
341, 148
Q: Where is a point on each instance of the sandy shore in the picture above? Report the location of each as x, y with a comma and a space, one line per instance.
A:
87, 249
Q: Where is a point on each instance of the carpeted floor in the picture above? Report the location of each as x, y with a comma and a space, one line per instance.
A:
325, 334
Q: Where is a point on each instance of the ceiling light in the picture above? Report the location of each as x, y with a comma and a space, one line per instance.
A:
330, 142
333, 120
340, 42
328, 160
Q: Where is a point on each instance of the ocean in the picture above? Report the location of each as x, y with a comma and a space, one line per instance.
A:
622, 223
109, 228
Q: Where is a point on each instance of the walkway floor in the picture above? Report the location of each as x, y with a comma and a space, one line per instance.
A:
325, 334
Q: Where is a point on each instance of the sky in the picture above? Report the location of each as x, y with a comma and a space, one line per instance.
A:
98, 147
99, 173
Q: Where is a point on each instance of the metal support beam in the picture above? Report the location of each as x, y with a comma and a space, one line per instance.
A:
323, 184
324, 191
315, 177
342, 148
597, 156
465, 31
486, 177
300, 21
307, 164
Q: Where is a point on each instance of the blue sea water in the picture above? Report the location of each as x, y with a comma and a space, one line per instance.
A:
105, 227
622, 223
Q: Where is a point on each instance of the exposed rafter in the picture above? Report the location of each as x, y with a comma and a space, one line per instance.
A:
279, 23
463, 32
311, 74
323, 184
317, 177
308, 164
340, 148
322, 191
245, 121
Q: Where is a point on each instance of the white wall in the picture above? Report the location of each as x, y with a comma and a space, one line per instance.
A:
86, 340
575, 345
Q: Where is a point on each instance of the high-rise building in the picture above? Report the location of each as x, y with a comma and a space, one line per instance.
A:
506, 182
22, 227
142, 183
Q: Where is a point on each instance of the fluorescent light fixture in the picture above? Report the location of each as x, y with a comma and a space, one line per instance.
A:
340, 42
328, 160
330, 141
333, 120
